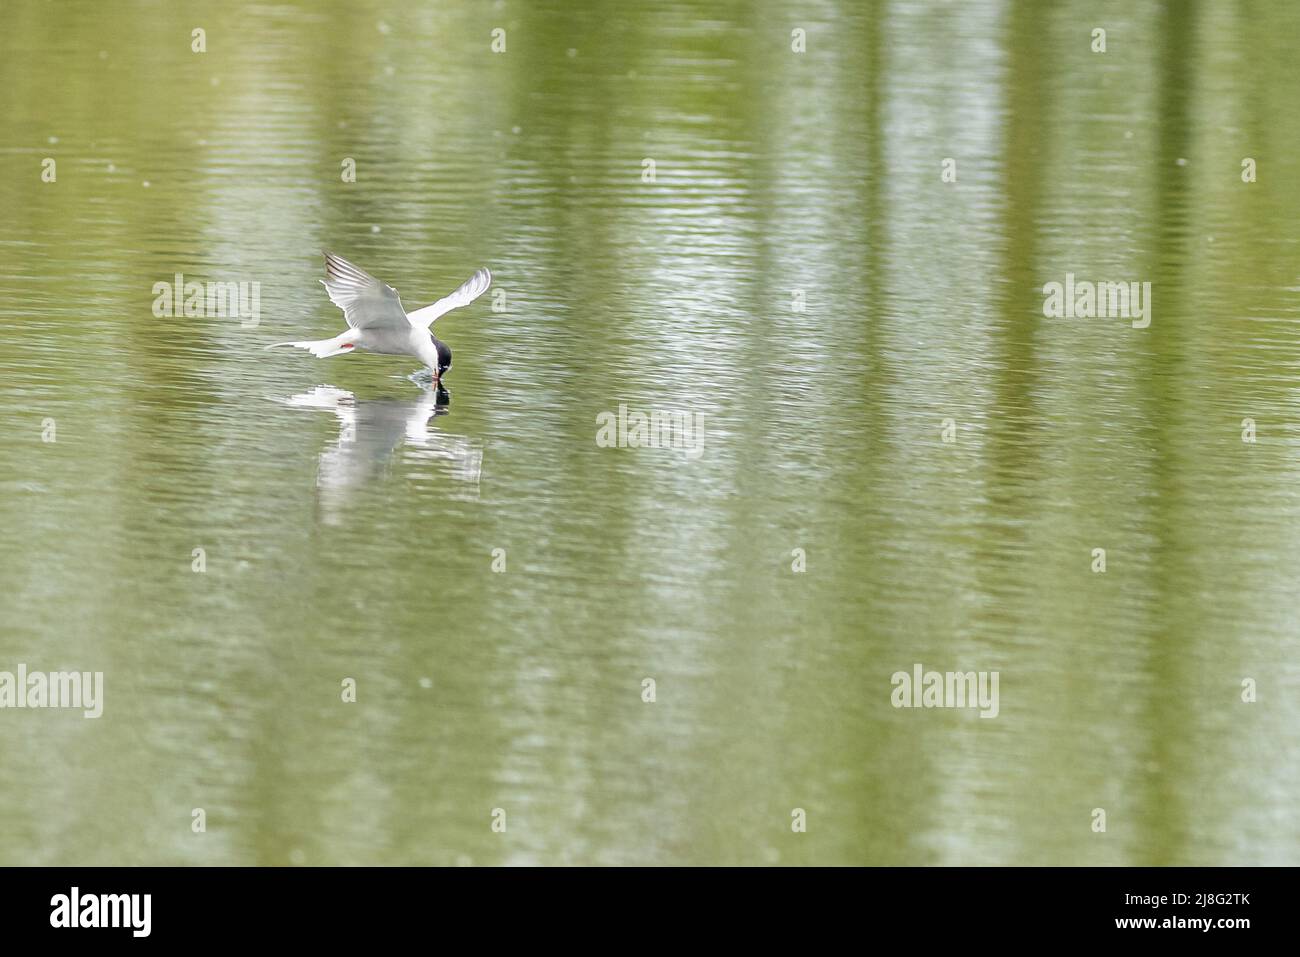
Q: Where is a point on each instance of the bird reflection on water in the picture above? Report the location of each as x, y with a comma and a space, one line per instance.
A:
371, 431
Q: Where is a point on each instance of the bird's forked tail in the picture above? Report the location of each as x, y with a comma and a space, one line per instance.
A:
324, 348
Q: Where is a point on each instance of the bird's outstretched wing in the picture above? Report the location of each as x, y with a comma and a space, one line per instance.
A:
470, 289
366, 302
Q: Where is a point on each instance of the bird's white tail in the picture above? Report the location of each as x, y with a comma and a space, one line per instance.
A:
324, 348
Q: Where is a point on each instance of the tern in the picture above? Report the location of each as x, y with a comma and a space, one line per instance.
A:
378, 323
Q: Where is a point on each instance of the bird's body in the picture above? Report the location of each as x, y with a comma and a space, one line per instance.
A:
378, 323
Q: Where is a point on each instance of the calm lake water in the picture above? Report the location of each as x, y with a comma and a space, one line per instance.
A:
798, 272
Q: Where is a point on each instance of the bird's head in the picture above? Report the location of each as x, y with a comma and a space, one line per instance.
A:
444, 353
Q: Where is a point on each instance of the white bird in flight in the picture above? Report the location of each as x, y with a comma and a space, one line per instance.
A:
378, 323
